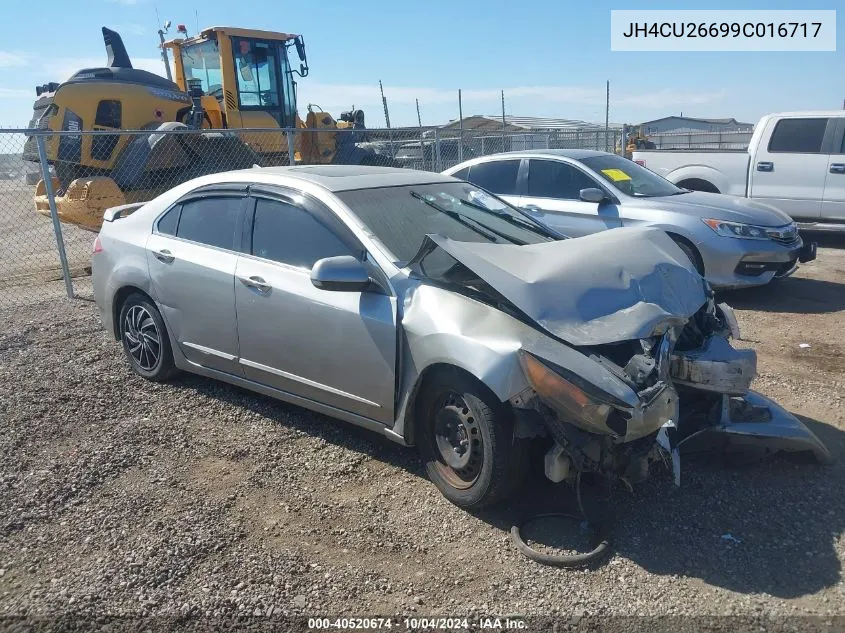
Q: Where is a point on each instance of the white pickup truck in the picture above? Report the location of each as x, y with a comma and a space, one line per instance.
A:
795, 161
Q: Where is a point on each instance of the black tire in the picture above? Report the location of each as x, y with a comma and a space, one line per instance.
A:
693, 255
144, 338
495, 459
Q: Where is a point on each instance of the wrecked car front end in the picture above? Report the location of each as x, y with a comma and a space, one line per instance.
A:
612, 345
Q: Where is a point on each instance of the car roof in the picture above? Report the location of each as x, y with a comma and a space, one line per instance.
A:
575, 154
342, 177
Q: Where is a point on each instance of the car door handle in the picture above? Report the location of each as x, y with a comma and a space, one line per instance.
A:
256, 282
837, 168
164, 255
765, 166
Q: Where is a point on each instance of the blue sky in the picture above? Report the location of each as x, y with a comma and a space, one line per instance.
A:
551, 57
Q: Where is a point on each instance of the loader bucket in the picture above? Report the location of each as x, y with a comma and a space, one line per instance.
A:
84, 202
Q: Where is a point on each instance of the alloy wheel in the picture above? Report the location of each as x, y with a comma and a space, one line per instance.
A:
142, 338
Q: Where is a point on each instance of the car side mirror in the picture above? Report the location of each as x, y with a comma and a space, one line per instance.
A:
592, 194
343, 273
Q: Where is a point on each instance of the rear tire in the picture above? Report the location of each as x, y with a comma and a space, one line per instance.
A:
145, 340
467, 442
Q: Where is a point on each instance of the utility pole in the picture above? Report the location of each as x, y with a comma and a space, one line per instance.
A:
607, 115
161, 33
386, 117
422, 146
460, 128
504, 125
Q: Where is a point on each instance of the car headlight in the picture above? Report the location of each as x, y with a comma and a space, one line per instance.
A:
737, 229
569, 400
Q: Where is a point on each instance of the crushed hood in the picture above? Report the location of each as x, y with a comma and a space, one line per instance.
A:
611, 286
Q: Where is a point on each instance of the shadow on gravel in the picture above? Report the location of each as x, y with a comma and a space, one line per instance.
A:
796, 295
314, 424
823, 239
767, 526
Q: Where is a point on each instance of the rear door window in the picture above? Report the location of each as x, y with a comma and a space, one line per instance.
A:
461, 174
799, 136
556, 179
169, 221
498, 176
210, 221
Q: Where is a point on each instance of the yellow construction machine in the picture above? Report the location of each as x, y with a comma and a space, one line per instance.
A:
226, 80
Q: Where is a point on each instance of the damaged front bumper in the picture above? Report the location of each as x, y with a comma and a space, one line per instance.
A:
756, 422
687, 397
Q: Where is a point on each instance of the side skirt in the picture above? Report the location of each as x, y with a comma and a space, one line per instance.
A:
290, 398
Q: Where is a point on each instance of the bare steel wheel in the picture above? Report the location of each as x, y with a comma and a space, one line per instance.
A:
466, 440
458, 440
144, 338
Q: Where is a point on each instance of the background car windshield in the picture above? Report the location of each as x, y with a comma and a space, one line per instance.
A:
401, 221
629, 177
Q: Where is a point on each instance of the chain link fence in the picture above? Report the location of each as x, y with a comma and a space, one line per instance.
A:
30, 265
55, 186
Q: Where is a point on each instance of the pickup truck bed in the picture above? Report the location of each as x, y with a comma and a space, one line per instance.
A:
795, 162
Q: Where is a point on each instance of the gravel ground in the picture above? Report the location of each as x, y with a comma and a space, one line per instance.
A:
124, 497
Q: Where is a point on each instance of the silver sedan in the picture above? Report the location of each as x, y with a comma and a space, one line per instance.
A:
734, 242
425, 309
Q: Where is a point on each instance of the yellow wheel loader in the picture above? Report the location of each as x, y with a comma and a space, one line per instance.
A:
226, 79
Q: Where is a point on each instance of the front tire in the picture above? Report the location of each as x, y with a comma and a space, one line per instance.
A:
692, 254
467, 442
145, 340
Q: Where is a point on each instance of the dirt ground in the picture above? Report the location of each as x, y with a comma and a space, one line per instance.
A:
192, 497
29, 258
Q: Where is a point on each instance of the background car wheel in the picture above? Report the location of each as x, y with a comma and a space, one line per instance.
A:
145, 339
466, 441
693, 255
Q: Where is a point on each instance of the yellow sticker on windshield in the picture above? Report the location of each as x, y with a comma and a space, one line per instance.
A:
615, 174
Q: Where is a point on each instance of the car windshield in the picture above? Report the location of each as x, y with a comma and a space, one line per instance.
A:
630, 178
401, 217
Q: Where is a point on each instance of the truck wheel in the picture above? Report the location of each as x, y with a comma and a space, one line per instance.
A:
467, 442
697, 184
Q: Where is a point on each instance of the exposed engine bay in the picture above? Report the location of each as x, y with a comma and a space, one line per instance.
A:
694, 390
634, 366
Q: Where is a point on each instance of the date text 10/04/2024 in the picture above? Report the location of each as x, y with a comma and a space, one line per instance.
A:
417, 623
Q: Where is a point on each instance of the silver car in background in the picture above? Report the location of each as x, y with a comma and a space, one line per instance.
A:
734, 242
425, 309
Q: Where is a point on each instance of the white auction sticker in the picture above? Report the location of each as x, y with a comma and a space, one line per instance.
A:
718, 30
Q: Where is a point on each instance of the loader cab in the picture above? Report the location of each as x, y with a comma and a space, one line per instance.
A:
249, 73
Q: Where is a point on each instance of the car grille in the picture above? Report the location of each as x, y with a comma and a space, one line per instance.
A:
786, 235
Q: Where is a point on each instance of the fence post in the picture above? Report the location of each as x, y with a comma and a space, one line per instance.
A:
291, 146
439, 164
422, 153
54, 214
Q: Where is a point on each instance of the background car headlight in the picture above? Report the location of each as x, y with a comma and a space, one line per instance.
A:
737, 229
